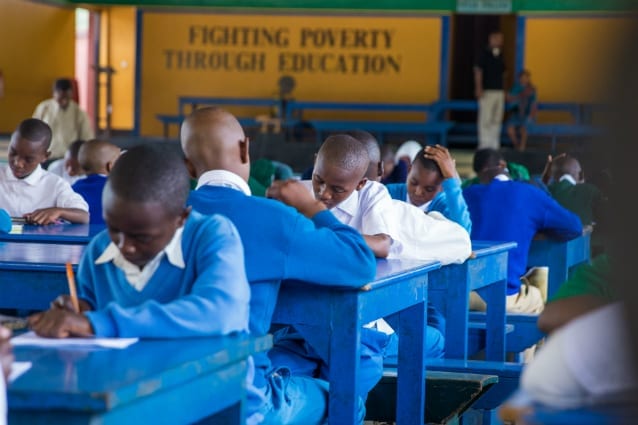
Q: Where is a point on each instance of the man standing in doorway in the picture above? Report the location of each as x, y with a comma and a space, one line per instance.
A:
489, 73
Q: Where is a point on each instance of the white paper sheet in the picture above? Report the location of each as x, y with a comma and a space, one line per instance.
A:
31, 339
17, 369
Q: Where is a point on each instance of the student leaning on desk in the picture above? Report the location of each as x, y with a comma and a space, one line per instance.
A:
158, 270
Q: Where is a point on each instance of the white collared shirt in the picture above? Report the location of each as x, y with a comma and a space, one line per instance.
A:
138, 278
40, 189
67, 125
502, 177
57, 168
223, 178
568, 177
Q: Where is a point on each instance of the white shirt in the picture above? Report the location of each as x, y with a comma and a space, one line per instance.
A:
3, 400
138, 278
57, 168
67, 125
567, 177
223, 178
415, 235
40, 189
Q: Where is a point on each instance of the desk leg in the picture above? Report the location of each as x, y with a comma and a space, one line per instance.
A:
345, 342
495, 321
457, 312
411, 366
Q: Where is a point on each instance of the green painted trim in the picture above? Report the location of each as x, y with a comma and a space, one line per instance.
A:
572, 5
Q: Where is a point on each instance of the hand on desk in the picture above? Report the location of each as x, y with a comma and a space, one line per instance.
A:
60, 323
64, 302
379, 244
6, 351
44, 216
294, 193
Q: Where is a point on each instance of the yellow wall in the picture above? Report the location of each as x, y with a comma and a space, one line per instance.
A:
117, 49
406, 51
37, 45
570, 58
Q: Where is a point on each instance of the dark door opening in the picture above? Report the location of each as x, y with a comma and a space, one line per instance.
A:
469, 38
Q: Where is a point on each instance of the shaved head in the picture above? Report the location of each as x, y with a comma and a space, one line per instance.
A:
374, 152
213, 139
567, 165
345, 152
95, 156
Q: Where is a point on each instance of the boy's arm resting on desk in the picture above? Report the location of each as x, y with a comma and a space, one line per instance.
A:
379, 244
60, 323
52, 215
558, 222
216, 303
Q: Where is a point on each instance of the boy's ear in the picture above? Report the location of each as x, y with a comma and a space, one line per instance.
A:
362, 183
380, 169
192, 172
244, 148
47, 155
184, 215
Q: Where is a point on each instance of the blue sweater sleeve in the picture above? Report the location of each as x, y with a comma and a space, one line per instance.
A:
324, 238
398, 191
557, 221
454, 207
216, 304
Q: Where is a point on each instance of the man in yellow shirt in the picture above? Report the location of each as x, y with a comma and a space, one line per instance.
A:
67, 121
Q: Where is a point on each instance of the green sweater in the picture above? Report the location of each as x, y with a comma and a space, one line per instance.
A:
581, 199
589, 279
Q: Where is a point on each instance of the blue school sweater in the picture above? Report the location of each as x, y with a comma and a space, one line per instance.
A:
210, 296
516, 211
90, 188
449, 201
280, 243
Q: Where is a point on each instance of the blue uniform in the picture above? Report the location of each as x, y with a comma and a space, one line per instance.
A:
90, 188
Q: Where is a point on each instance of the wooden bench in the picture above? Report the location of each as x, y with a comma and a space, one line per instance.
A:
435, 130
449, 394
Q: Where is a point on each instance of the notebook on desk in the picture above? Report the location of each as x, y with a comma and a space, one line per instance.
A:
33, 340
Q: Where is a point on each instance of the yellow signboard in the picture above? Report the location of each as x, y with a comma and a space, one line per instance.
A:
331, 58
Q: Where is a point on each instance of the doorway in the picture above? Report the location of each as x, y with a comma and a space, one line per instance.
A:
86, 23
469, 38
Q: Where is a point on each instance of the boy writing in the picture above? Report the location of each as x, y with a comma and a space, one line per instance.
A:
158, 270
96, 157
280, 243
434, 185
29, 191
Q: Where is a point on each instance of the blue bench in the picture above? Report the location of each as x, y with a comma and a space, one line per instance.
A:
187, 104
427, 126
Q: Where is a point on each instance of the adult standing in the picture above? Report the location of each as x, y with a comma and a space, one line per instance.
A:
67, 121
489, 72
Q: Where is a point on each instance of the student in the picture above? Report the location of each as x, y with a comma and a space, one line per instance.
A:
524, 100
506, 210
68, 122
392, 229
6, 359
280, 243
407, 152
393, 171
159, 270
29, 191
433, 184
586, 289
586, 362
369, 142
96, 157
68, 167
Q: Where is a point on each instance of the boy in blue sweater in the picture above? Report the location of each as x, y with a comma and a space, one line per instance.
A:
280, 243
506, 210
96, 157
434, 185
158, 270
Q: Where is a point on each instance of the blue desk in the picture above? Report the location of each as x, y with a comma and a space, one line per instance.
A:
449, 290
33, 274
560, 257
331, 319
151, 382
55, 233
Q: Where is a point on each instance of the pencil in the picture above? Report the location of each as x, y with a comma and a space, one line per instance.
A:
70, 277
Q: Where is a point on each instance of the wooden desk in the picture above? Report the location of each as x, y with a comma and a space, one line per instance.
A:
559, 256
55, 233
33, 274
449, 291
331, 319
153, 381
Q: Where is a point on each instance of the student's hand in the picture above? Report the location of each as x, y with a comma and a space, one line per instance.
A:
379, 244
547, 171
59, 323
6, 351
64, 302
294, 193
442, 157
44, 216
